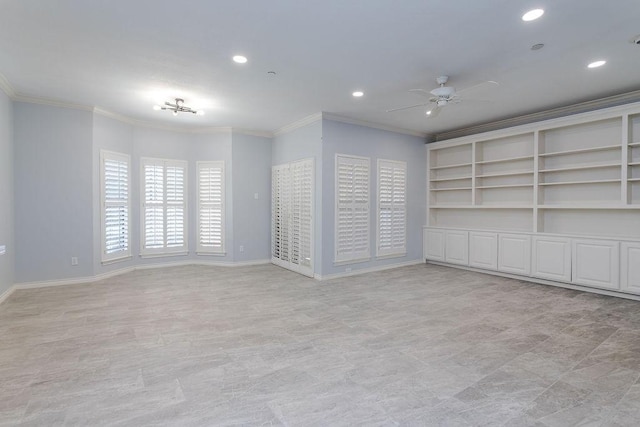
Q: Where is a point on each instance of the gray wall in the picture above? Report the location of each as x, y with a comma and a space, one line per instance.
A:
53, 192
251, 157
303, 143
6, 193
376, 144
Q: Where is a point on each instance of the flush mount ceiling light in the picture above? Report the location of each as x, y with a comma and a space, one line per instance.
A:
532, 15
596, 64
178, 107
358, 94
240, 59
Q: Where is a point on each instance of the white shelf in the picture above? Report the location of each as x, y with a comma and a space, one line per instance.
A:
576, 168
579, 206
458, 165
451, 189
510, 159
580, 150
634, 163
633, 180
481, 207
504, 186
450, 179
634, 144
599, 181
445, 147
505, 174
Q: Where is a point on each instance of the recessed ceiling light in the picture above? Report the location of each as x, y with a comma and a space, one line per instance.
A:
240, 59
537, 46
596, 64
358, 93
533, 15
429, 113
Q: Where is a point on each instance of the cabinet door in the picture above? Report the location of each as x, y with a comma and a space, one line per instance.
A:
483, 250
630, 267
551, 258
433, 244
596, 263
514, 253
456, 247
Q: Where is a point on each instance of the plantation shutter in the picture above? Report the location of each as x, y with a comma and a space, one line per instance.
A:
392, 208
115, 205
292, 216
211, 207
352, 209
163, 206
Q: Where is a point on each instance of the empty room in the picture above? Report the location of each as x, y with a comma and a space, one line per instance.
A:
320, 213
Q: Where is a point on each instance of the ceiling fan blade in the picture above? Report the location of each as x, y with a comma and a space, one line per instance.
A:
421, 92
406, 108
484, 85
434, 112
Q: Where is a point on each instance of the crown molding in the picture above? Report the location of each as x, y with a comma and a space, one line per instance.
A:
298, 124
6, 87
554, 113
50, 102
251, 132
351, 121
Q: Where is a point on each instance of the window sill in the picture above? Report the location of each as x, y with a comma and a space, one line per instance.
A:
211, 253
351, 261
116, 260
388, 256
165, 254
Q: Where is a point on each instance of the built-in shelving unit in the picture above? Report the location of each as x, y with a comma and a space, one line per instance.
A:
579, 175
556, 201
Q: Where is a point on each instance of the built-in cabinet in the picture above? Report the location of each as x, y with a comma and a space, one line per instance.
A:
551, 258
483, 250
557, 200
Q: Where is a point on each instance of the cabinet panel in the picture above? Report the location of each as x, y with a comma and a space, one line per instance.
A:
483, 250
596, 263
630, 267
433, 243
514, 253
456, 247
551, 258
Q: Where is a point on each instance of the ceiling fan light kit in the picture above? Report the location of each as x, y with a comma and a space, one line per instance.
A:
177, 107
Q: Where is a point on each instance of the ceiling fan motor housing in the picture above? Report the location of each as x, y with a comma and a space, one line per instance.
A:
443, 92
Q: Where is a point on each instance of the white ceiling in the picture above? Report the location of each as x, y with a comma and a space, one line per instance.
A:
124, 56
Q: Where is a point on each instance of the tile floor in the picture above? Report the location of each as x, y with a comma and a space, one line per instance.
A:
422, 345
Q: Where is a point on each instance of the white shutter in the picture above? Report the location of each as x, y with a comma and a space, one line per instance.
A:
114, 175
211, 207
352, 209
292, 216
392, 208
164, 206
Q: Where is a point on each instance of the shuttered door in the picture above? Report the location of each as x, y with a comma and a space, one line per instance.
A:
291, 216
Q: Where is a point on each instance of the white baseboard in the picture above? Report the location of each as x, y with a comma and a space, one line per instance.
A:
542, 281
6, 294
102, 276
367, 270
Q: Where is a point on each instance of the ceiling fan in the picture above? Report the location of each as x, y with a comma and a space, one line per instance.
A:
441, 96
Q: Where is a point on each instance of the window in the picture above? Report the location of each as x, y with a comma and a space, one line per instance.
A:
352, 209
114, 187
164, 207
391, 239
210, 207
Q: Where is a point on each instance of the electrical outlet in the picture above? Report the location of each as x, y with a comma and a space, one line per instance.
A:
241, 248
255, 196
3, 249
74, 260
